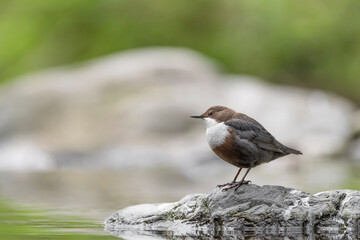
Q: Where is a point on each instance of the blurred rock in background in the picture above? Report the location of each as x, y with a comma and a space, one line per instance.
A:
129, 113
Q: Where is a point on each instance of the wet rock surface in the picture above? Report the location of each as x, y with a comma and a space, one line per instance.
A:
252, 209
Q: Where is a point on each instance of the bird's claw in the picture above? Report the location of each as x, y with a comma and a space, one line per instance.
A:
235, 185
226, 184
246, 182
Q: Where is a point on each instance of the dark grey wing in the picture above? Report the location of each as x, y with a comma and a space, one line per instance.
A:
254, 132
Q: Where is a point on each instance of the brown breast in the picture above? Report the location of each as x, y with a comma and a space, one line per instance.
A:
229, 152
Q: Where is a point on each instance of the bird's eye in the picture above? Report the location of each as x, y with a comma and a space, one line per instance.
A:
211, 113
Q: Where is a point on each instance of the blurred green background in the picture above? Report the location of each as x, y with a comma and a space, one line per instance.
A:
312, 44
308, 43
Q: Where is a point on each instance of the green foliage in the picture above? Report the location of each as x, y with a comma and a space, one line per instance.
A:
21, 223
309, 43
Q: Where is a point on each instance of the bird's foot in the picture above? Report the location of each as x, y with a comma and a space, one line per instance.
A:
229, 186
245, 182
226, 184
235, 185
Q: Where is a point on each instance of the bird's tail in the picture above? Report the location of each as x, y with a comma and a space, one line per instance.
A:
293, 151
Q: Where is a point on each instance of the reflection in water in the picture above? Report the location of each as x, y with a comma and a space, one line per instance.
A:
247, 233
27, 223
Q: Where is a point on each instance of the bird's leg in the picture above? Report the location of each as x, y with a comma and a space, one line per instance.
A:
236, 185
237, 174
231, 183
243, 179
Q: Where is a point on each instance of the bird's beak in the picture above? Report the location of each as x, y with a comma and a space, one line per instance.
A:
197, 117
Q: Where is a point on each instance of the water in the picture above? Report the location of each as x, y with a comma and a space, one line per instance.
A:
256, 234
28, 223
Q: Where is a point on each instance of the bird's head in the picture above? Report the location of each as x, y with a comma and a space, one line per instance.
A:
216, 114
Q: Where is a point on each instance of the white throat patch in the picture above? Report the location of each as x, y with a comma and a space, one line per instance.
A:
209, 122
216, 133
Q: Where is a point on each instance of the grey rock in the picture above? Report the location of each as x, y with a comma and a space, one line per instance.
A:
267, 210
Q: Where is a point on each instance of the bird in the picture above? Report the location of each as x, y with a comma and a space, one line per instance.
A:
241, 141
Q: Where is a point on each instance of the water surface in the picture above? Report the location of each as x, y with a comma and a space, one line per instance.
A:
29, 223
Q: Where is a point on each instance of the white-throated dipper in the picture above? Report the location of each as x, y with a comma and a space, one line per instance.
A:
240, 140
